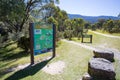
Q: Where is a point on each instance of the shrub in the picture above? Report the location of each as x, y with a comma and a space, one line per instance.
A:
24, 43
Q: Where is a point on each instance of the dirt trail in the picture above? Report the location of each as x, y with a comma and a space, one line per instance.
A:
106, 35
116, 52
80, 44
54, 68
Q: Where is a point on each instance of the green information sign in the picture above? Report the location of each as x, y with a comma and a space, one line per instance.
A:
43, 37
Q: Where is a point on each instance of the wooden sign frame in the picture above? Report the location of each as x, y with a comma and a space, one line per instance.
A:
32, 42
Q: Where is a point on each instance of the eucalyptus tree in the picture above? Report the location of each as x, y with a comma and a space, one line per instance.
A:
68, 33
100, 23
53, 14
16, 12
110, 25
51, 10
78, 27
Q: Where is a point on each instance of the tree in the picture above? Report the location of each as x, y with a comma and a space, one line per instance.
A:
59, 15
110, 25
61, 19
93, 27
87, 25
116, 27
73, 27
100, 23
16, 12
78, 25
69, 29
12, 12
52, 20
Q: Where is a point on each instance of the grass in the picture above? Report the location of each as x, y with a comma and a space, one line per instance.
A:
10, 56
99, 41
75, 58
114, 34
117, 69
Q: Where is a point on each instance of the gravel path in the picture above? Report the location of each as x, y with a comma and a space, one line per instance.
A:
80, 44
116, 52
106, 35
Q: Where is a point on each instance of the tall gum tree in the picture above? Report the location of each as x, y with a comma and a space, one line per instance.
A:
15, 13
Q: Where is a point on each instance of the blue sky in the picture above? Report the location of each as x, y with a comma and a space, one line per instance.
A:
91, 7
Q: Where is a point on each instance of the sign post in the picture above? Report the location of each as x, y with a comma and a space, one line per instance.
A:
42, 39
54, 40
86, 36
31, 43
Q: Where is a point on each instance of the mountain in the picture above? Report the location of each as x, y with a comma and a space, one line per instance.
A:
92, 19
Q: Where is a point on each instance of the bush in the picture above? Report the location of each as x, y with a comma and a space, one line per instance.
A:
68, 34
58, 43
59, 35
24, 43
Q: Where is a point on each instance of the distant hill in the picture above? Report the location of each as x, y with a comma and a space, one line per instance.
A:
92, 19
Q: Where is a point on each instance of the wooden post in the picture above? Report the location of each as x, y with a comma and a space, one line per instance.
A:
91, 38
31, 43
82, 38
54, 40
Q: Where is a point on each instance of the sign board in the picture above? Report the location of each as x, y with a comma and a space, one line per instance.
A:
87, 36
42, 37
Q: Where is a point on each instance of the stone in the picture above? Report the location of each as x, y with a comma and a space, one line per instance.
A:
106, 54
86, 76
101, 69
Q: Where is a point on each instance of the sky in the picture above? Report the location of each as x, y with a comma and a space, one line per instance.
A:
91, 7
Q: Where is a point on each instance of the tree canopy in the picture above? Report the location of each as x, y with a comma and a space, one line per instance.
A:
15, 13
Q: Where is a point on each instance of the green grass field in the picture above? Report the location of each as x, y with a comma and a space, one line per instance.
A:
114, 34
75, 58
101, 41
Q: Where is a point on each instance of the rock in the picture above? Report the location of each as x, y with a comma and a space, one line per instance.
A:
106, 54
101, 69
86, 76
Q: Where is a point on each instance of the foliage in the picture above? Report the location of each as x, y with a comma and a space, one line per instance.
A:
87, 25
15, 13
24, 43
74, 28
100, 23
111, 26
52, 20
59, 35
65, 52
12, 13
79, 26
55, 16
69, 29
58, 43
51, 11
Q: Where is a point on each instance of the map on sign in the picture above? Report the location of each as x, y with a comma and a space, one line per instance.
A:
43, 37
